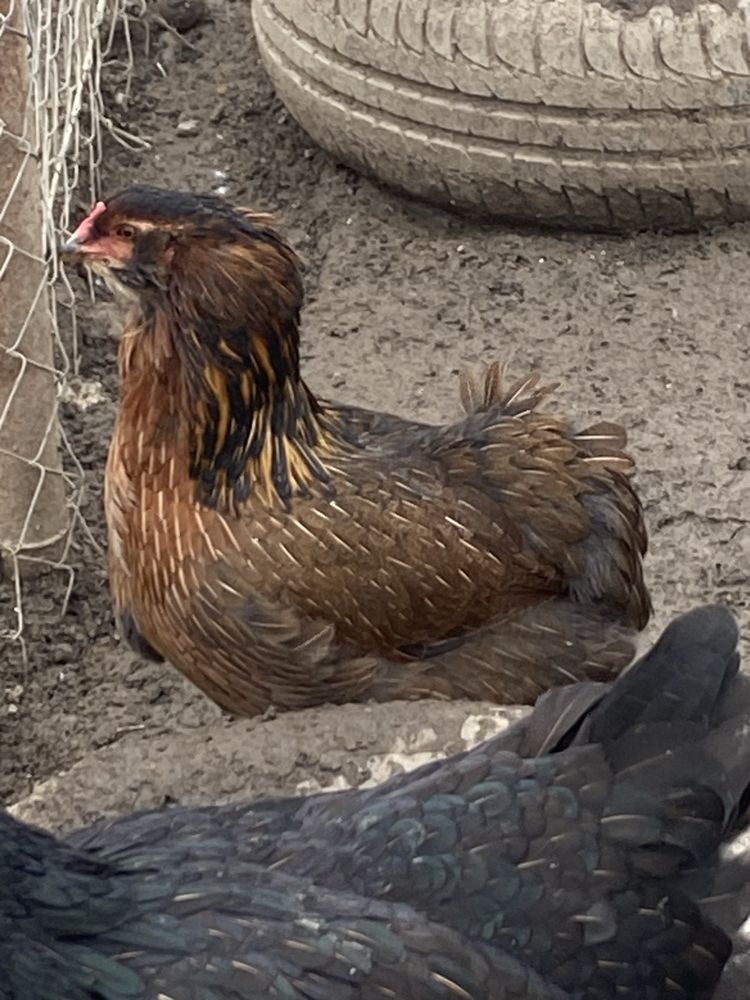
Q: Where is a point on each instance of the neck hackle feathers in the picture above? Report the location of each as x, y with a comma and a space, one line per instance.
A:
223, 291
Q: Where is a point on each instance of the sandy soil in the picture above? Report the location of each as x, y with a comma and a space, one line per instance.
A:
651, 331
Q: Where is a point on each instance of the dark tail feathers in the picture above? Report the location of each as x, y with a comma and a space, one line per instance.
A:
676, 728
686, 677
683, 677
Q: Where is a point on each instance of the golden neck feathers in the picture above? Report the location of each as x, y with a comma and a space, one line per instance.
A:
212, 358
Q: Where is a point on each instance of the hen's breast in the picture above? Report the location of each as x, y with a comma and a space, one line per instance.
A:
157, 536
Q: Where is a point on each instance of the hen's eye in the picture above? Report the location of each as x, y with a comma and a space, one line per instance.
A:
126, 232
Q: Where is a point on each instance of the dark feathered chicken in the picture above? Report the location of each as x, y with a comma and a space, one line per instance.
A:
590, 873
282, 550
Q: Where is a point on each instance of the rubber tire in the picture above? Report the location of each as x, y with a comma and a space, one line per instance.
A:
560, 112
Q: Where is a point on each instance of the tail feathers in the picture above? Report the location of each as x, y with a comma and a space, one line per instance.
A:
603, 443
676, 730
684, 677
689, 675
574, 479
514, 400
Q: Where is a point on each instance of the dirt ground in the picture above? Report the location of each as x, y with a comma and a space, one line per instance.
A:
651, 331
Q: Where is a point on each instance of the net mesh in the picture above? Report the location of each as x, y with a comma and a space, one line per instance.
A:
53, 53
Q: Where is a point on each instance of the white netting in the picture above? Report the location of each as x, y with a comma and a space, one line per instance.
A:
51, 115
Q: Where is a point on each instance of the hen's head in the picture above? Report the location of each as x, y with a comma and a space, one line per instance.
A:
192, 249
220, 295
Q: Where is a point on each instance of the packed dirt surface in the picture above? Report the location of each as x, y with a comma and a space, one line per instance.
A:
651, 331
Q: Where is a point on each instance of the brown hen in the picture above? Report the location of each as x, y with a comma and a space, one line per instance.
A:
281, 550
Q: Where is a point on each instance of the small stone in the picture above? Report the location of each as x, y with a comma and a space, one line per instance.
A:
63, 653
188, 127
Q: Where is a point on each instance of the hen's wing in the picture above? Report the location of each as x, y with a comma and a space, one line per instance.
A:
488, 515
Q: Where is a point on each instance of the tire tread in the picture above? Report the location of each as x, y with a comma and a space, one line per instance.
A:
560, 112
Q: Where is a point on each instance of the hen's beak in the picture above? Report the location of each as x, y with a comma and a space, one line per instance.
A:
73, 245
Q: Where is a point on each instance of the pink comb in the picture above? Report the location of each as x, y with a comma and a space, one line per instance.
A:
86, 229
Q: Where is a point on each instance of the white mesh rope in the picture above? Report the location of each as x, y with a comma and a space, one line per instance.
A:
51, 121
